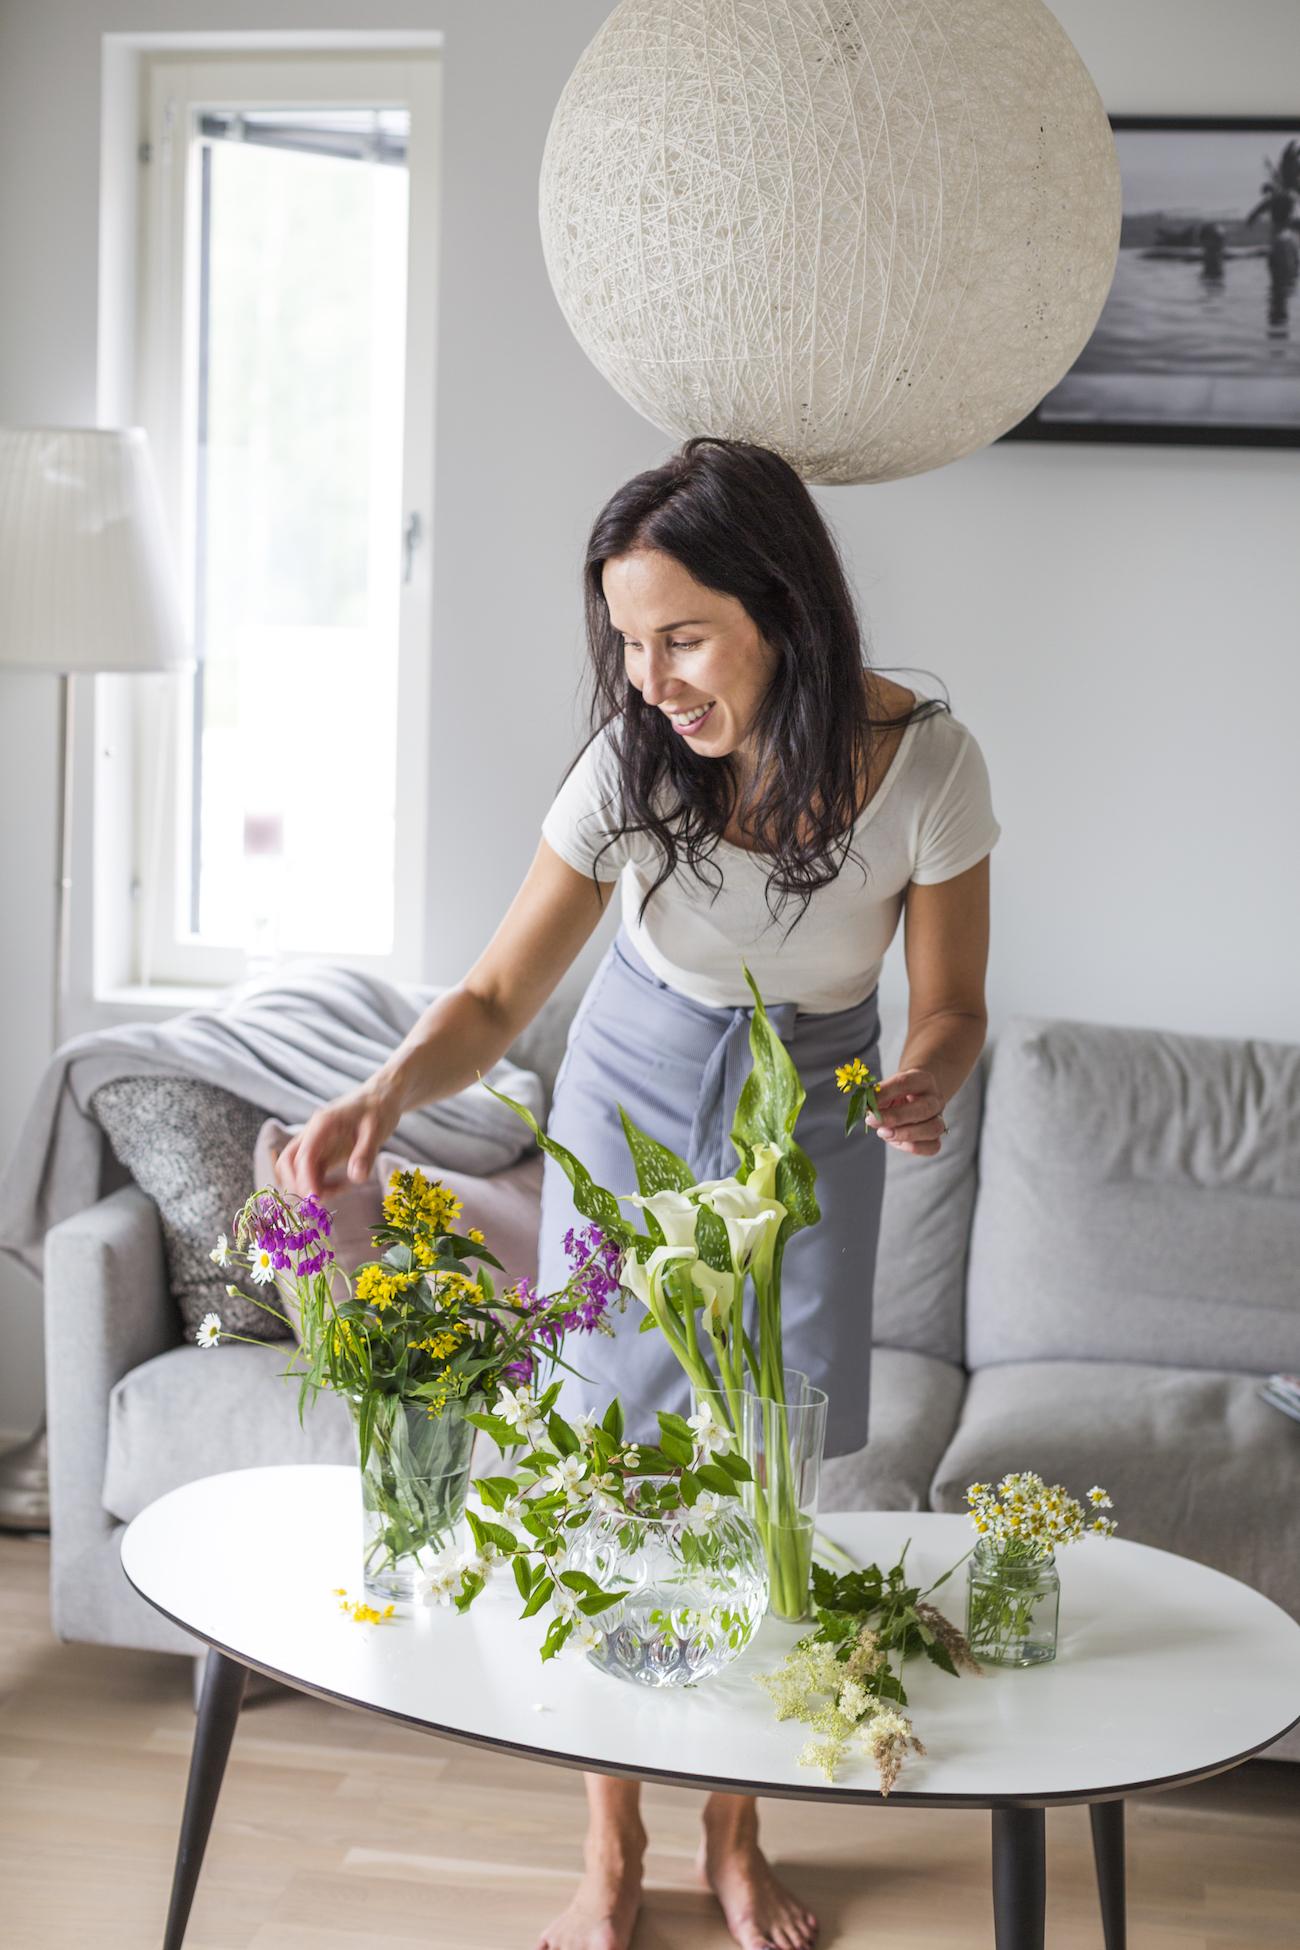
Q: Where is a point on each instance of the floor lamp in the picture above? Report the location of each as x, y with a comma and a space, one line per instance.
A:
87, 583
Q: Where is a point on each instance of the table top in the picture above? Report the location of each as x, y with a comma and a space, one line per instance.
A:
1166, 1671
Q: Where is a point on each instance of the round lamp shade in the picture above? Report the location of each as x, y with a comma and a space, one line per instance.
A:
870, 235
86, 574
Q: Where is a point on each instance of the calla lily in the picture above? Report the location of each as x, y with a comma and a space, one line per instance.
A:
750, 1217
644, 1281
719, 1289
674, 1211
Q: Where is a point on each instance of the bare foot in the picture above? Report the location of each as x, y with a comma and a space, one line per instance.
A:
761, 1913
602, 1914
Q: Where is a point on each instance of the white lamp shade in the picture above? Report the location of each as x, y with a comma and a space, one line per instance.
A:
87, 580
869, 236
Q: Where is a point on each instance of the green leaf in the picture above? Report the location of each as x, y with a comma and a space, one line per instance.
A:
555, 1638
540, 1594
716, 1479
678, 1449
599, 1601
690, 1486
478, 1529
470, 1586
675, 1425
522, 1579
562, 1436
495, 1490
735, 1466
501, 1432
766, 1113
657, 1168
579, 1581
939, 1655
613, 1422
591, 1199
496, 1533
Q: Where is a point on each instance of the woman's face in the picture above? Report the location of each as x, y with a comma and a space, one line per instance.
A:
693, 653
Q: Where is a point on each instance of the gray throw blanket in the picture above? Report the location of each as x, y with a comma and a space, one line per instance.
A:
287, 1043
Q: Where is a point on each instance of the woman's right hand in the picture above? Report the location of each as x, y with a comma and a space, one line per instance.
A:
338, 1143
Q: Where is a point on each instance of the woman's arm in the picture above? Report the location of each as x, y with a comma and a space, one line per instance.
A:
461, 1033
946, 944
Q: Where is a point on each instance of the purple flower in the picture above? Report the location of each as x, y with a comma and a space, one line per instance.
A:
595, 1262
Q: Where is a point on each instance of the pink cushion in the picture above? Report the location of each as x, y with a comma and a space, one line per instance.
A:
505, 1206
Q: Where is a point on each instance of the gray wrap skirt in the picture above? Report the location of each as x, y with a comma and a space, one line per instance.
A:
677, 1067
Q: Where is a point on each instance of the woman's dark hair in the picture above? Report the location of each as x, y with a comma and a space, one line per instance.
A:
739, 519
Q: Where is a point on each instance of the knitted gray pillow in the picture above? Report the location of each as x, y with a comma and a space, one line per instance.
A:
189, 1145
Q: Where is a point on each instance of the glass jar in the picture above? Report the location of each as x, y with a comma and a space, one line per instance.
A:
1012, 1606
695, 1590
414, 1487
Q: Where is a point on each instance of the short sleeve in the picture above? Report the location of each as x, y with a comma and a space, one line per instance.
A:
958, 828
584, 814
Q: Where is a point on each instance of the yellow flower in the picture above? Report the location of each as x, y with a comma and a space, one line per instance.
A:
475, 1235
848, 1075
411, 1201
376, 1287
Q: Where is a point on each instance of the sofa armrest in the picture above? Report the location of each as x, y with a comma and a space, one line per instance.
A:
107, 1308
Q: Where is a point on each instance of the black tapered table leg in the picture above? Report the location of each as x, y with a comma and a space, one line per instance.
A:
1108, 1853
223, 1691
1019, 1878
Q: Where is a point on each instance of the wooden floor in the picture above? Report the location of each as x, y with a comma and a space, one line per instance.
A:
338, 1832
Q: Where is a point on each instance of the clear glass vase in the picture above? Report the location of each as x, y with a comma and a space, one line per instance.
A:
1012, 1607
695, 1591
414, 1486
783, 1441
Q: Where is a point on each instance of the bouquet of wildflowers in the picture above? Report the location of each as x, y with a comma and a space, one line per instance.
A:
415, 1341
704, 1243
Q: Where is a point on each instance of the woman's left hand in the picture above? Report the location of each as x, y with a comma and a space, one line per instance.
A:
910, 1115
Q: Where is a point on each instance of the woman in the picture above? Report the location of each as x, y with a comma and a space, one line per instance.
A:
762, 796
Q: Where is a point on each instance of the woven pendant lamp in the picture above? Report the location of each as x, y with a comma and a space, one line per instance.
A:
870, 234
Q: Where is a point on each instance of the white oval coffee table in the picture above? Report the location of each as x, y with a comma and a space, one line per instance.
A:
250, 1562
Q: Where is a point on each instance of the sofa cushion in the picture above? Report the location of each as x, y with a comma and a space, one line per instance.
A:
1194, 1461
194, 1412
920, 1285
1139, 1200
915, 1401
189, 1145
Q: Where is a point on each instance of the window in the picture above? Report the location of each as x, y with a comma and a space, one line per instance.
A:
285, 378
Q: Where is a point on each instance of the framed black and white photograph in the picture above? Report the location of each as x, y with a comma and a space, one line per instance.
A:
1199, 338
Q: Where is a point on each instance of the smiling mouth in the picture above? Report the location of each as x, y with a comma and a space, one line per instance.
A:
688, 721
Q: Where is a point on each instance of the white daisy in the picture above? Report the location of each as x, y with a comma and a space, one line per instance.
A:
221, 1253
209, 1332
259, 1265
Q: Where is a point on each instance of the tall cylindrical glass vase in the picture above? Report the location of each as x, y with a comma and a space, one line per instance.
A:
783, 1442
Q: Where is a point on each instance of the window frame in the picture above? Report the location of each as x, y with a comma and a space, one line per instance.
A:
174, 91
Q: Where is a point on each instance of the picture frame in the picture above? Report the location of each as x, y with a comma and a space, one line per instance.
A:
1198, 342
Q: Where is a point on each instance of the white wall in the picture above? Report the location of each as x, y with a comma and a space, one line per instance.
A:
1118, 625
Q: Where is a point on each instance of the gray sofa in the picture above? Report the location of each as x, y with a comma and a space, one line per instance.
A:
1090, 1280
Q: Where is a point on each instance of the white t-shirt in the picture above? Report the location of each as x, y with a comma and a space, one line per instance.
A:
930, 817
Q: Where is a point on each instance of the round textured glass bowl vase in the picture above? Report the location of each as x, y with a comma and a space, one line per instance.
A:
694, 1591
414, 1487
1012, 1607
